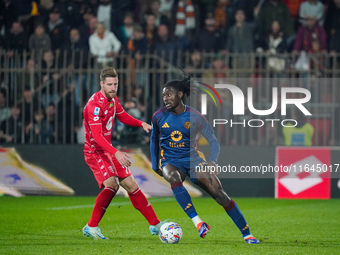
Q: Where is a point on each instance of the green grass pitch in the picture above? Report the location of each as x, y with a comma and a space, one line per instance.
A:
52, 225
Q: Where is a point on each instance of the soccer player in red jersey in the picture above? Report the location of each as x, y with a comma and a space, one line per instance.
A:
109, 165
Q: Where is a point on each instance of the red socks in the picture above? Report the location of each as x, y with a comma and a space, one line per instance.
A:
137, 198
102, 202
140, 202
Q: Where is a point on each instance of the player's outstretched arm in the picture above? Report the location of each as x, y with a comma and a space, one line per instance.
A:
126, 118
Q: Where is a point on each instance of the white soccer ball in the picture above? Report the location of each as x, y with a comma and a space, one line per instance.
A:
170, 232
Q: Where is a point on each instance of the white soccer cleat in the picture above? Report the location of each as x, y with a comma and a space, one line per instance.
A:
93, 232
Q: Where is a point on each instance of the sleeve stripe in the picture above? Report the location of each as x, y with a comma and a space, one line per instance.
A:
120, 112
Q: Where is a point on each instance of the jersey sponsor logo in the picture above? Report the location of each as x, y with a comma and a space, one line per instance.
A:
176, 145
107, 133
109, 123
111, 169
176, 136
187, 124
165, 125
96, 118
96, 111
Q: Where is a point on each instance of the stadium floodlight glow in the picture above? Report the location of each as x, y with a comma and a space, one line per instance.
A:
238, 100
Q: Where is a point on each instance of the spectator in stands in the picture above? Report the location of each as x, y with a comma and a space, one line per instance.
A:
9, 13
240, 36
274, 10
38, 123
309, 33
275, 41
47, 131
93, 4
139, 96
88, 28
29, 106
51, 78
69, 13
57, 29
83, 7
294, 6
218, 70
136, 47
77, 50
39, 42
185, 21
166, 46
126, 30
195, 66
334, 45
137, 44
332, 23
104, 13
77, 57
224, 14
24, 12
248, 7
111, 14
5, 112
317, 63
131, 134
209, 38
311, 8
16, 39
154, 8
166, 7
31, 77
11, 129
104, 45
44, 8
67, 122
150, 30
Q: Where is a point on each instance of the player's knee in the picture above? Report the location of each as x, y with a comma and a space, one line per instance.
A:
173, 177
132, 187
111, 183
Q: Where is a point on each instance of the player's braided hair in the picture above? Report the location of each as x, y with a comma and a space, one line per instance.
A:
181, 85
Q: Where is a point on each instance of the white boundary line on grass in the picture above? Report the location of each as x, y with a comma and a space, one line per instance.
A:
112, 204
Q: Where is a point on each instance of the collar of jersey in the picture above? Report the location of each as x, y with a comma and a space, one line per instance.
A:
185, 109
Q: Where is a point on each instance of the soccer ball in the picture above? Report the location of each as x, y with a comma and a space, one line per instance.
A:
170, 232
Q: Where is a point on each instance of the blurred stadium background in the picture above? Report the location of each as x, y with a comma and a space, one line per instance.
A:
49, 68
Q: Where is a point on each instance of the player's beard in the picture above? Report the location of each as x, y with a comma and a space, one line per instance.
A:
110, 95
172, 108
